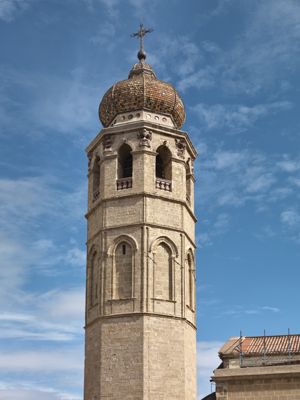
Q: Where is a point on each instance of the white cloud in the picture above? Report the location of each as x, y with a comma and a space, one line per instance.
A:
272, 309
76, 257
139, 8
10, 8
42, 361
227, 159
21, 257
268, 46
25, 200
33, 391
238, 311
105, 35
111, 6
26, 197
213, 229
207, 361
69, 108
235, 118
26, 254
232, 178
291, 218
202, 78
65, 304
264, 53
180, 56
27, 394
260, 183
57, 316
295, 181
288, 165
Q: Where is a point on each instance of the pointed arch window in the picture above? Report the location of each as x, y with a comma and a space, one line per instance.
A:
96, 178
188, 181
122, 282
191, 282
94, 269
163, 272
163, 168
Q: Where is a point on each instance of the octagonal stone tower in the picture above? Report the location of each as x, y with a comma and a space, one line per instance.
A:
140, 292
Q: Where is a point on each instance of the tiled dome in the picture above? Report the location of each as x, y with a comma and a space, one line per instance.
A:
142, 90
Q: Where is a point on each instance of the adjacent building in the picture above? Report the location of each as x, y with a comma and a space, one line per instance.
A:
258, 368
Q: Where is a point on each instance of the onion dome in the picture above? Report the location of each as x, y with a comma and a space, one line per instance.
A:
141, 91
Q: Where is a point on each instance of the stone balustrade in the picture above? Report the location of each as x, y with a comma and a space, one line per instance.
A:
124, 183
163, 184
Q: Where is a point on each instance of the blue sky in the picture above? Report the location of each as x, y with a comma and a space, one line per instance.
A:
235, 63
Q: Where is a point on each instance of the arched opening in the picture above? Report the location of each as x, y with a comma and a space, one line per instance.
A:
122, 286
163, 165
163, 270
188, 182
94, 279
124, 161
96, 178
190, 273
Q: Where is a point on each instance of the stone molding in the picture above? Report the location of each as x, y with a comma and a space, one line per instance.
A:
143, 195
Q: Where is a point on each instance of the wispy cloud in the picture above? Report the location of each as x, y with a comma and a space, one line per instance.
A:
10, 8
105, 35
64, 310
272, 309
291, 218
260, 56
139, 8
234, 177
238, 311
69, 108
54, 361
169, 48
288, 164
235, 118
28, 248
207, 361
213, 229
24, 199
34, 392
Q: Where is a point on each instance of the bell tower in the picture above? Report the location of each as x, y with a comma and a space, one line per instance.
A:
140, 328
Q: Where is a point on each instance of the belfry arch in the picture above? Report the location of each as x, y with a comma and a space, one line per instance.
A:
125, 164
163, 163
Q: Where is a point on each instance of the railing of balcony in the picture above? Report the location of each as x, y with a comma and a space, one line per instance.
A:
163, 184
124, 183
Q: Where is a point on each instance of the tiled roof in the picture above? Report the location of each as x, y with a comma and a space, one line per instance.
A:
252, 345
141, 91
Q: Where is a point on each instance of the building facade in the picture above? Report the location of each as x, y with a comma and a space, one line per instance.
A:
260, 368
140, 286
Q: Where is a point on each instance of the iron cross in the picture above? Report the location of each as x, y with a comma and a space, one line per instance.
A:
140, 34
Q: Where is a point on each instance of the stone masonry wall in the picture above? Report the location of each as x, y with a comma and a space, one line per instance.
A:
168, 343
287, 388
140, 335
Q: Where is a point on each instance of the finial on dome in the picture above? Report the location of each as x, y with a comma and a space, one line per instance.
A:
140, 34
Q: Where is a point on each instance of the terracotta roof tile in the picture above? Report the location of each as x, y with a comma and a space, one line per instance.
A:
282, 344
